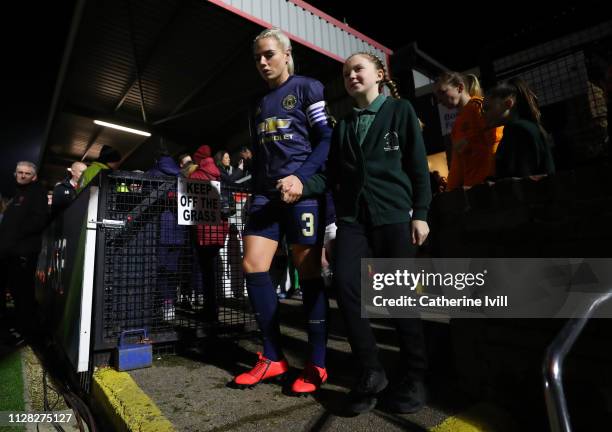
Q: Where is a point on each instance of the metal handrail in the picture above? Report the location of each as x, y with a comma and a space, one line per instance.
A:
556, 404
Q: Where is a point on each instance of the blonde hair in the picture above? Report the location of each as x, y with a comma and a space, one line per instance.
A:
378, 63
282, 39
469, 82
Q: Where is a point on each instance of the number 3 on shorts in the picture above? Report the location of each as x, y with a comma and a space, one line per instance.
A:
309, 219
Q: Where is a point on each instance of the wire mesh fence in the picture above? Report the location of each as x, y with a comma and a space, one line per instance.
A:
167, 277
572, 76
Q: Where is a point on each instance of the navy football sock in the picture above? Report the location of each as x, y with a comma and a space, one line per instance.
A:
265, 306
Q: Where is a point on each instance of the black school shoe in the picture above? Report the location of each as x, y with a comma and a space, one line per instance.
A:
407, 396
364, 395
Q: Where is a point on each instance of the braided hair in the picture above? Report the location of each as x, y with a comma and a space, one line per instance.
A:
378, 63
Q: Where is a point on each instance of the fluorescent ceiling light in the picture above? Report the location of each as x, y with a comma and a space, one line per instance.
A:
122, 128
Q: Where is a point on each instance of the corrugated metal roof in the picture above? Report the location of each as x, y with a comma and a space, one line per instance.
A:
306, 25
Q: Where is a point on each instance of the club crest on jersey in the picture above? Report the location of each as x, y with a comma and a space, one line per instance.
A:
391, 141
289, 102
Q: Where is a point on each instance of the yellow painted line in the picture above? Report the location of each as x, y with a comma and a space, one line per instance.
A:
127, 407
480, 418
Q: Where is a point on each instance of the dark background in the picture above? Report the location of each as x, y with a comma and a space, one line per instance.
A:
33, 38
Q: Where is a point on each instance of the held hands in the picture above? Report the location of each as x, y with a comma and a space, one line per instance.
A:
420, 231
290, 188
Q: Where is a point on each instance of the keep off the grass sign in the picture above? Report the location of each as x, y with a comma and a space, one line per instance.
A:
199, 202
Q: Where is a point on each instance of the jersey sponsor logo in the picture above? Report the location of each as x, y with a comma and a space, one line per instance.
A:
391, 141
273, 125
271, 129
289, 102
273, 138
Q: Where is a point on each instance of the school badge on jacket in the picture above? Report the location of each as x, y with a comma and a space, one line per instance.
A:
391, 141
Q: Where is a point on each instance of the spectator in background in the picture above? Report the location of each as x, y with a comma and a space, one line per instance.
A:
4, 202
229, 174
187, 166
164, 164
108, 159
438, 183
172, 237
586, 126
210, 238
247, 157
473, 143
184, 159
20, 242
65, 192
524, 149
232, 269
598, 103
206, 167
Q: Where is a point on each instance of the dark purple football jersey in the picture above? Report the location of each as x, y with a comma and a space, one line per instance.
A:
286, 120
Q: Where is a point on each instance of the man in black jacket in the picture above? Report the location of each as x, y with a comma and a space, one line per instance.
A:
65, 192
20, 242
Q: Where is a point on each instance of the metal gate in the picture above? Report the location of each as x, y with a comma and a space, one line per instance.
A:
152, 273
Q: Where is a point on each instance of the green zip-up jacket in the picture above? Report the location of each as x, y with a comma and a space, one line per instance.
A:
389, 171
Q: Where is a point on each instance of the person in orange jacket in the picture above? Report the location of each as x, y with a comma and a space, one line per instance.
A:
473, 143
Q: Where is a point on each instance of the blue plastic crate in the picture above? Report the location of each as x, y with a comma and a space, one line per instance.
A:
134, 356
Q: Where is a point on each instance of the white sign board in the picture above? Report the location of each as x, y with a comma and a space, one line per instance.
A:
447, 119
199, 202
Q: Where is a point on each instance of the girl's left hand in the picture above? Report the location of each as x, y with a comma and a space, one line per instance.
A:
420, 231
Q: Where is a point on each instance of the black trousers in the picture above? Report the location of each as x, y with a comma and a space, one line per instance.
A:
353, 242
18, 275
211, 278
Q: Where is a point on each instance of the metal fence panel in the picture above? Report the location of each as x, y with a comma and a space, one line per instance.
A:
165, 277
